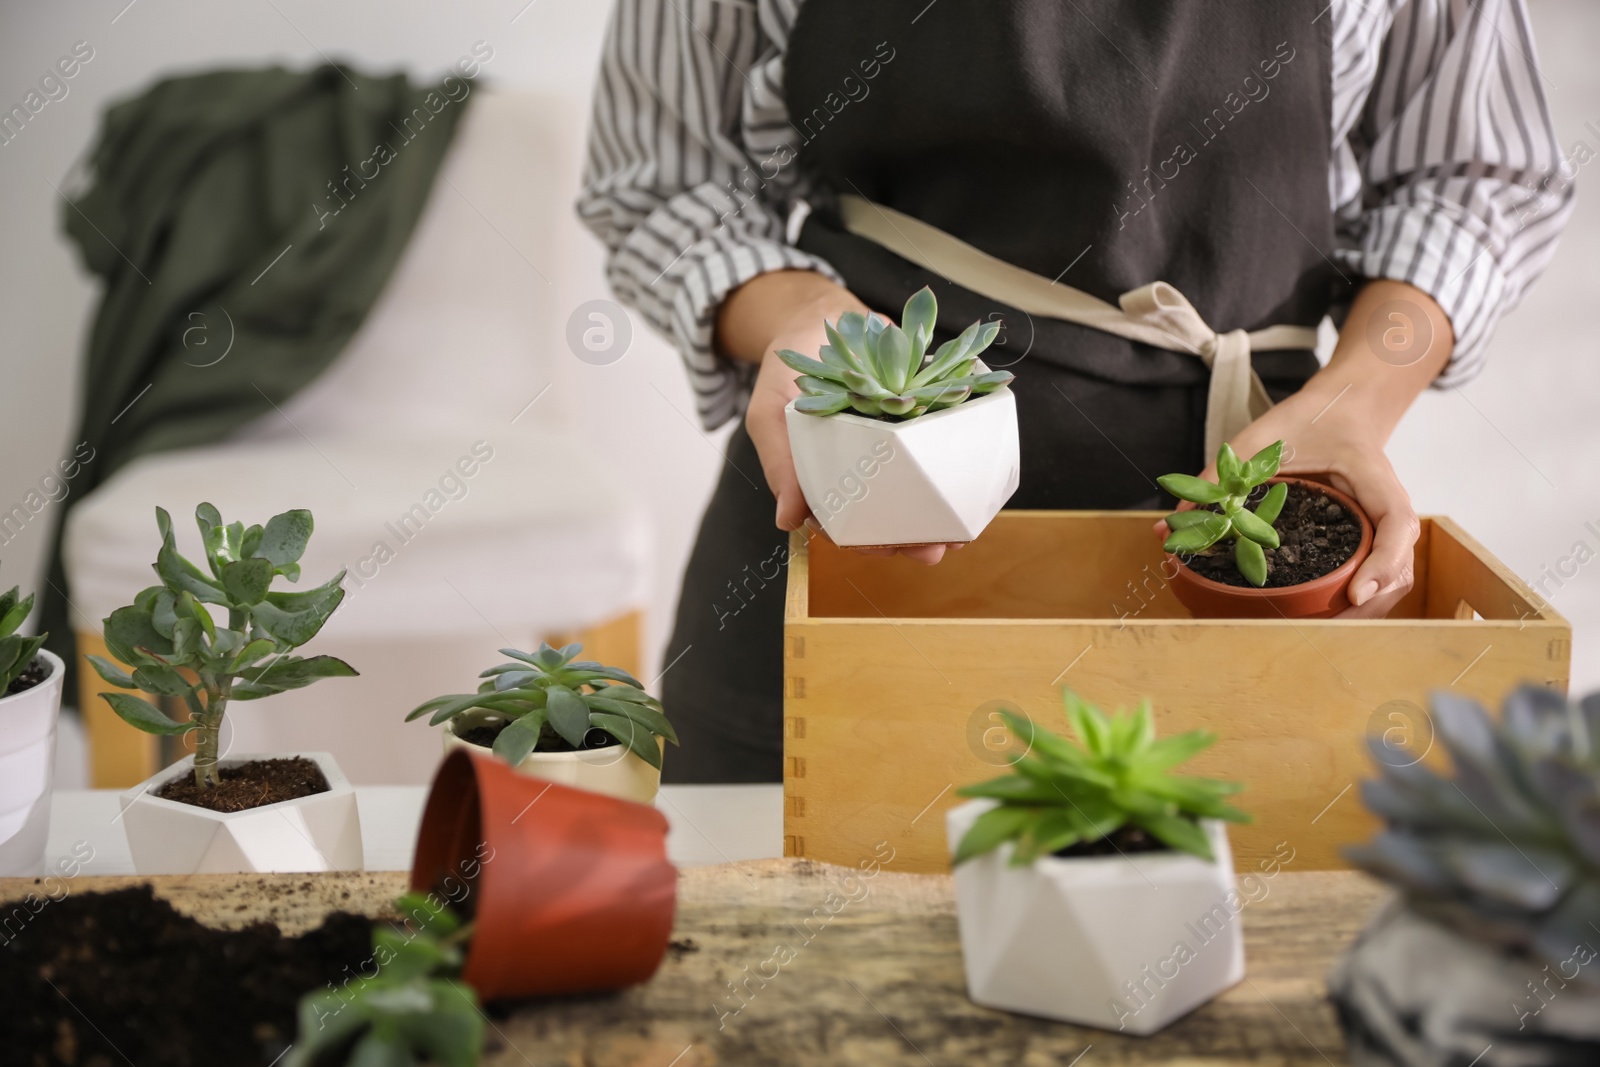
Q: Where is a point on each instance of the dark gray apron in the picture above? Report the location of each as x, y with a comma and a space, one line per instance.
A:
1105, 144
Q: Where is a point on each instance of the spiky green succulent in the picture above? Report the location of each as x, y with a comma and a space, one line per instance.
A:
885, 371
1116, 774
16, 651
1508, 848
1199, 528
552, 694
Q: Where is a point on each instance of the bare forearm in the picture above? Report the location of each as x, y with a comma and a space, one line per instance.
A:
1395, 342
775, 304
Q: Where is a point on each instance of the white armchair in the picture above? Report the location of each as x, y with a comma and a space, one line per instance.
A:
442, 466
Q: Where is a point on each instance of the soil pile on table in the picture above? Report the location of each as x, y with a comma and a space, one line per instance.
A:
250, 785
31, 675
1316, 535
121, 977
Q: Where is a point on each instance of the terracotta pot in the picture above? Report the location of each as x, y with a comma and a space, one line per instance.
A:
571, 890
1320, 598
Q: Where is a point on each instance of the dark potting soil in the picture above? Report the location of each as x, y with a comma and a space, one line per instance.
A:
121, 977
1316, 536
250, 785
549, 740
31, 675
1128, 839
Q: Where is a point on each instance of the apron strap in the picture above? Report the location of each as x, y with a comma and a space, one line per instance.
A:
1155, 314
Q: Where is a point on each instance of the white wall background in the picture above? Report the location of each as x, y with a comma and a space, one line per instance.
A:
1513, 456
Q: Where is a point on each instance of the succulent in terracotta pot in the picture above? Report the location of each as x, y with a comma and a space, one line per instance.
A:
555, 716
1115, 862
897, 442
1295, 544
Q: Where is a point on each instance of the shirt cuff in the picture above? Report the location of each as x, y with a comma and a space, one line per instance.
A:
1445, 259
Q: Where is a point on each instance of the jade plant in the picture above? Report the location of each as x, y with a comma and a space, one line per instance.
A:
1115, 774
16, 651
1223, 510
885, 371
178, 651
414, 1009
550, 696
1507, 849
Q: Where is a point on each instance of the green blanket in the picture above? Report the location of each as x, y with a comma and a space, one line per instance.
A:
243, 223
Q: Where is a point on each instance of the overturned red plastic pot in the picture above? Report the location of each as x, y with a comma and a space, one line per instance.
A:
570, 891
1320, 598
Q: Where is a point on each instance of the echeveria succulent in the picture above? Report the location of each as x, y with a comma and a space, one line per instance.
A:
551, 693
1508, 848
1116, 774
16, 651
885, 371
179, 651
1197, 529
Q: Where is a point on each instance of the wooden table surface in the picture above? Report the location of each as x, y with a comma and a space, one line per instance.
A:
873, 978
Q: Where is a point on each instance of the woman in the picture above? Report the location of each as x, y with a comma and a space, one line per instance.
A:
1391, 164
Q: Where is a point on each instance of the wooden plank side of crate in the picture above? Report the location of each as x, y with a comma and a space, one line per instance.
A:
885, 718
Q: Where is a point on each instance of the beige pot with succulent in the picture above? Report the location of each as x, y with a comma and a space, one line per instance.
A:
552, 715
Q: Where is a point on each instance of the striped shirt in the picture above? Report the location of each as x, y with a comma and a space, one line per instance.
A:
1446, 170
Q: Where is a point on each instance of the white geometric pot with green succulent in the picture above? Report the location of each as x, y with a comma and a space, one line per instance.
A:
1490, 951
30, 704
553, 716
897, 445
1092, 886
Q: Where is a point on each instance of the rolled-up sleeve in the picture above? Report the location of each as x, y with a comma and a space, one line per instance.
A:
690, 171
1456, 183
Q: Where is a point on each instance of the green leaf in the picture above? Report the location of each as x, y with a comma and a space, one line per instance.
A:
1248, 524
295, 628
991, 830
200, 615
569, 715
810, 367
918, 320
162, 680
1271, 505
1177, 832
1167, 752
289, 672
1251, 561
866, 385
309, 598
1230, 471
181, 576
145, 716
283, 539
1089, 723
1197, 536
822, 405
849, 339
128, 631
649, 718
1195, 490
13, 611
250, 653
640, 742
111, 673
1182, 520
247, 580
948, 357
520, 737
1264, 464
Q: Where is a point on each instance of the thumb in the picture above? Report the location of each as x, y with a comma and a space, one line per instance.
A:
1387, 573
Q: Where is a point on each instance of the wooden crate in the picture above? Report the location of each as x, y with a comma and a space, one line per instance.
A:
893, 672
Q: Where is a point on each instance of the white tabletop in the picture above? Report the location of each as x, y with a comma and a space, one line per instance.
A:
709, 824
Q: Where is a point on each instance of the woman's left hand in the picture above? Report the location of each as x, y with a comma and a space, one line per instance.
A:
1395, 341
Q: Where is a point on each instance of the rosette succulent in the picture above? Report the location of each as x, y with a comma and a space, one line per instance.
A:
16, 651
1116, 774
551, 696
1508, 848
885, 371
1199, 528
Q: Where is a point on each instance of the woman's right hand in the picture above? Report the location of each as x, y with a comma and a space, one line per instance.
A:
786, 309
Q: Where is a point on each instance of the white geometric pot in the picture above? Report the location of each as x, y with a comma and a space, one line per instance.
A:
316, 833
1123, 943
935, 478
613, 770
27, 765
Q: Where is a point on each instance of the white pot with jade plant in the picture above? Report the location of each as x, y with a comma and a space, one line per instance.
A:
215, 812
30, 704
1093, 886
896, 445
551, 715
